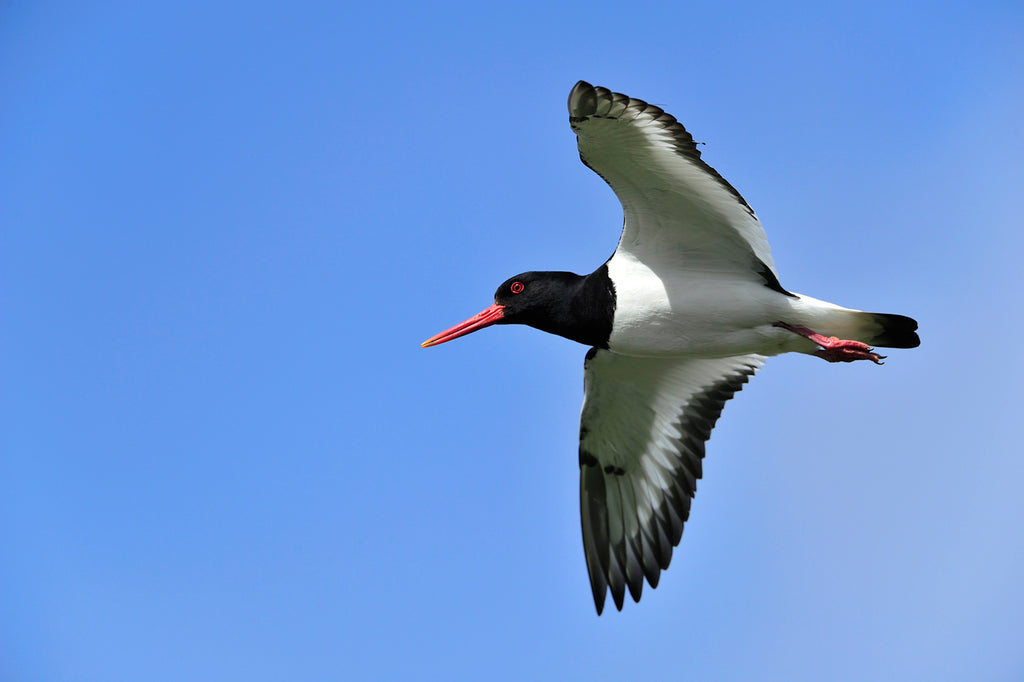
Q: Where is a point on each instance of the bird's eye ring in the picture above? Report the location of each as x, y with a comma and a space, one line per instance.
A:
517, 287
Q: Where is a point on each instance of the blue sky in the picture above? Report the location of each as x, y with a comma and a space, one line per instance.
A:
226, 227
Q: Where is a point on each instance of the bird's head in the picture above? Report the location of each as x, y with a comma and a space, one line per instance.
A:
531, 298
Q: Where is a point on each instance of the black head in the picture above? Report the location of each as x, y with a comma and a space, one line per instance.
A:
534, 297
563, 303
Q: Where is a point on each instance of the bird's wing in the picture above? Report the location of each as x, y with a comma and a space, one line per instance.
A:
676, 206
642, 434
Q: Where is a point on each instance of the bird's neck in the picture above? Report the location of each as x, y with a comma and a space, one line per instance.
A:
584, 314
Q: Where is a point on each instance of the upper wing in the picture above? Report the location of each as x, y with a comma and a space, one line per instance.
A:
675, 204
642, 434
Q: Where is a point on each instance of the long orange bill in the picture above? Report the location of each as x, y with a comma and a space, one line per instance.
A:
484, 318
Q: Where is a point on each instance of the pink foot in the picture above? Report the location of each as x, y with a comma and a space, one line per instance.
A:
835, 349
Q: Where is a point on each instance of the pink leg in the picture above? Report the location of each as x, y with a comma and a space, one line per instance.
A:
834, 349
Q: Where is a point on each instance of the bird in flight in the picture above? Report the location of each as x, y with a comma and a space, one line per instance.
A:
684, 312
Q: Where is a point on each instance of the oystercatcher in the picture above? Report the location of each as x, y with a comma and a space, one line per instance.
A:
678, 319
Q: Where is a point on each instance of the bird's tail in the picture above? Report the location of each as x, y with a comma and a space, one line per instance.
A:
875, 329
891, 331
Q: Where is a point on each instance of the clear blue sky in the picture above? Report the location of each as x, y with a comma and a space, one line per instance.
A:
226, 227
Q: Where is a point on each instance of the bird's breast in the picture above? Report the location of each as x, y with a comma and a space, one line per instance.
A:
677, 312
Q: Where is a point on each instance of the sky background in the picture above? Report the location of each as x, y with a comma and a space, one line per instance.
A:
226, 228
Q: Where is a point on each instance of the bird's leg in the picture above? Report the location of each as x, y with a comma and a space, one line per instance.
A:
835, 349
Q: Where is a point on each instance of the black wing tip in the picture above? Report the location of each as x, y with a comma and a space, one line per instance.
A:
619, 595
582, 100
600, 592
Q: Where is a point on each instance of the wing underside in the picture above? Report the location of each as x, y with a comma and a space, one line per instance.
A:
676, 206
642, 433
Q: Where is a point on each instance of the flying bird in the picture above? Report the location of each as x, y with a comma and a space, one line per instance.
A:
680, 317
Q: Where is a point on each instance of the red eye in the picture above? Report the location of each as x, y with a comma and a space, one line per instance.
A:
517, 287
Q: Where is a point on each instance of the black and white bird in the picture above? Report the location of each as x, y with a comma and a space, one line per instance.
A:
679, 318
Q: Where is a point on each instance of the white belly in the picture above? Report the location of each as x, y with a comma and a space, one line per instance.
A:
707, 314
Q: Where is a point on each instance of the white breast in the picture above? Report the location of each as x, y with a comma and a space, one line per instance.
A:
692, 313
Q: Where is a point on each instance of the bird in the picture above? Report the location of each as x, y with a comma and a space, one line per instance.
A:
684, 312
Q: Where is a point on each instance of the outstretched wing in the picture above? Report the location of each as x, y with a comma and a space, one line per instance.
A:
676, 206
642, 434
